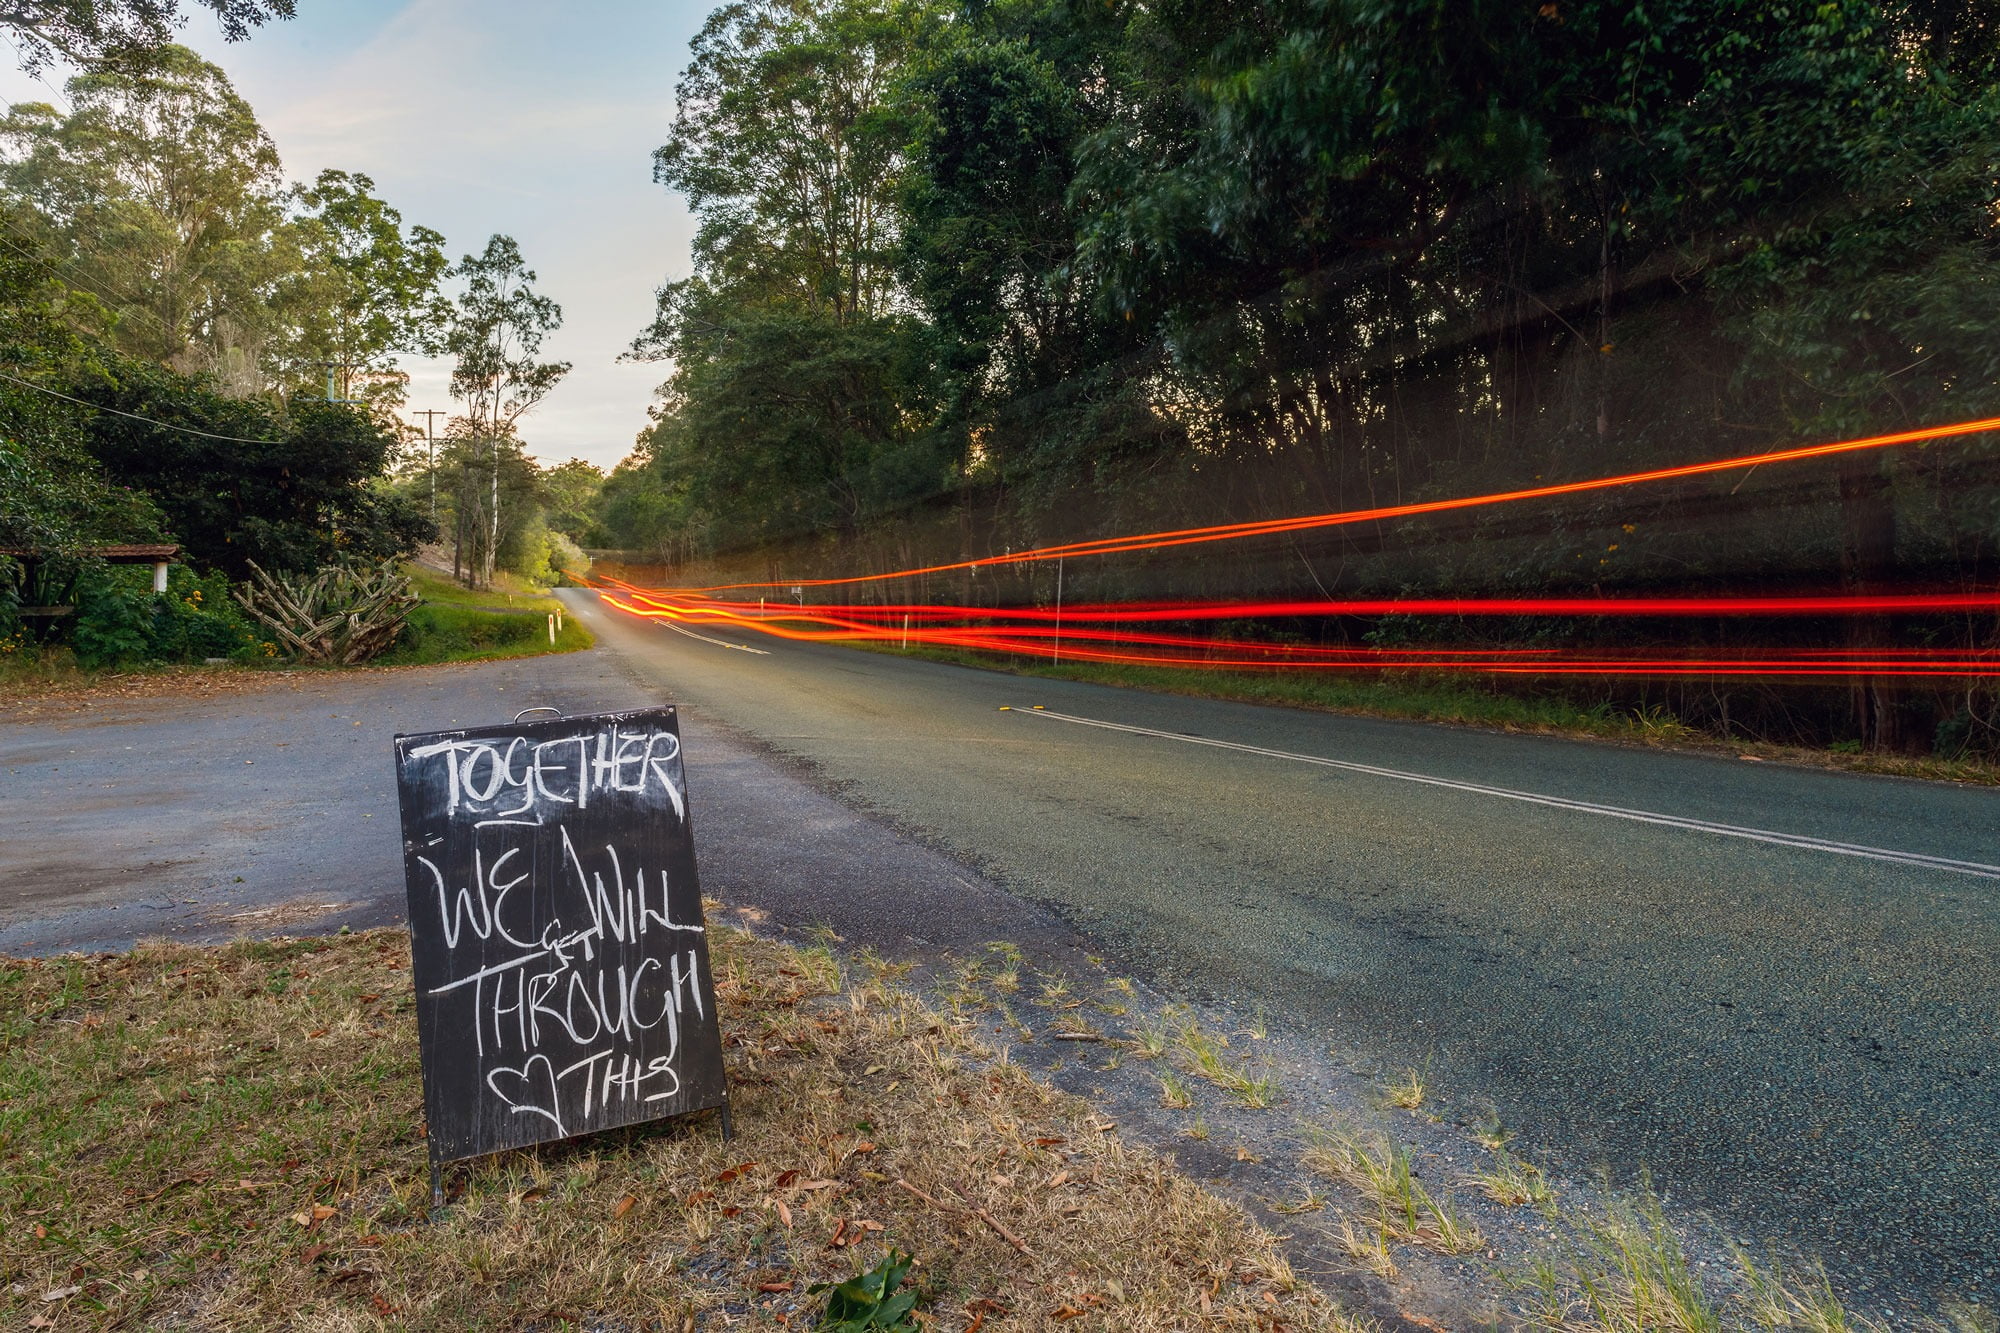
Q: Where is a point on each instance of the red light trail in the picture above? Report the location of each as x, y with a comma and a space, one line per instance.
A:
1085, 638
1151, 541
1096, 632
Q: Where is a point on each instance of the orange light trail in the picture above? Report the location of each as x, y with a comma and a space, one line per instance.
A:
1085, 639
1091, 632
1149, 541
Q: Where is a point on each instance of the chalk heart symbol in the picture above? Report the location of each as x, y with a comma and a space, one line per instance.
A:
528, 1092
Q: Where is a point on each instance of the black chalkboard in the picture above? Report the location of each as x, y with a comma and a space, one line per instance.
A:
559, 953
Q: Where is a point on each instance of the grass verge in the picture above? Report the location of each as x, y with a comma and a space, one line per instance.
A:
1420, 698
456, 624
232, 1138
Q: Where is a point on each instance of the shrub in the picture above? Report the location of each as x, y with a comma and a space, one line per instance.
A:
121, 621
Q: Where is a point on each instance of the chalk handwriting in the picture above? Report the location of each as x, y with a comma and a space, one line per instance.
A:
519, 776
573, 961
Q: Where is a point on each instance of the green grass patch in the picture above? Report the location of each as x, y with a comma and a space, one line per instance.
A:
457, 624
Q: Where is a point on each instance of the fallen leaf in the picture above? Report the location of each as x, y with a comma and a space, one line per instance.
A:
816, 1184
622, 1207
60, 1294
864, 1146
1058, 1179
321, 1212
733, 1172
774, 1286
1049, 1142
784, 1213
784, 1178
319, 1033
312, 1252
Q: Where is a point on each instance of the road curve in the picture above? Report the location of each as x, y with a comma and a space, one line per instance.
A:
1777, 990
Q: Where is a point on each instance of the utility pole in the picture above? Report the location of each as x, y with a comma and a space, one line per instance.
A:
331, 367
430, 453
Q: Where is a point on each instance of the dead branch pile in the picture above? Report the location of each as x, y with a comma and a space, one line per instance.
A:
344, 616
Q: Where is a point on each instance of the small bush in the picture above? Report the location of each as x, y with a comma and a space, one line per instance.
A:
121, 621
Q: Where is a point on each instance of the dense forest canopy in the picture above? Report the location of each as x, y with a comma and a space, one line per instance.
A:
997, 273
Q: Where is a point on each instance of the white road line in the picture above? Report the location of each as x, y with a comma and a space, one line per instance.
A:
1799, 840
720, 643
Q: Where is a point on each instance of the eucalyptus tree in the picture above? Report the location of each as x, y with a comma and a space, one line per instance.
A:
90, 32
361, 288
787, 148
158, 192
495, 337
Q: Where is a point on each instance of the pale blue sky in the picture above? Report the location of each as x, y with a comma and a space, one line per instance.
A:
477, 116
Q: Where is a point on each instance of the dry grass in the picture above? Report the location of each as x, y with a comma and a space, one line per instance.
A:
1382, 1172
1512, 1182
1406, 1092
1201, 1053
1805, 1302
232, 1138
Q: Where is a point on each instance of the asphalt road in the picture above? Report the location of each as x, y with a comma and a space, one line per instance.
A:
1795, 1023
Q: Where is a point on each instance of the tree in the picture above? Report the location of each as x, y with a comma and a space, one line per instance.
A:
160, 190
91, 32
569, 490
238, 481
496, 333
787, 146
363, 289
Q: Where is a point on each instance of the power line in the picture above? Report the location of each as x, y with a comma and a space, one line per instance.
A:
119, 412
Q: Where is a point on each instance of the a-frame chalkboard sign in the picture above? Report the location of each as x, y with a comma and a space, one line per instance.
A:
559, 952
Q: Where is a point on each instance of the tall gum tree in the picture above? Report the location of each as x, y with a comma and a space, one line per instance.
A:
161, 192
495, 338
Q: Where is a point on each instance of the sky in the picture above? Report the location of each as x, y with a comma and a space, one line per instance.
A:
531, 118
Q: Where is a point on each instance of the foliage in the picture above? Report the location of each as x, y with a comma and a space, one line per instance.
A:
873, 1300
1153, 266
86, 32
159, 194
363, 289
290, 491
568, 491
160, 189
121, 621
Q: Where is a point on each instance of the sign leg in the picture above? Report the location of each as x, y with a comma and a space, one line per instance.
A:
728, 1129
437, 1185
